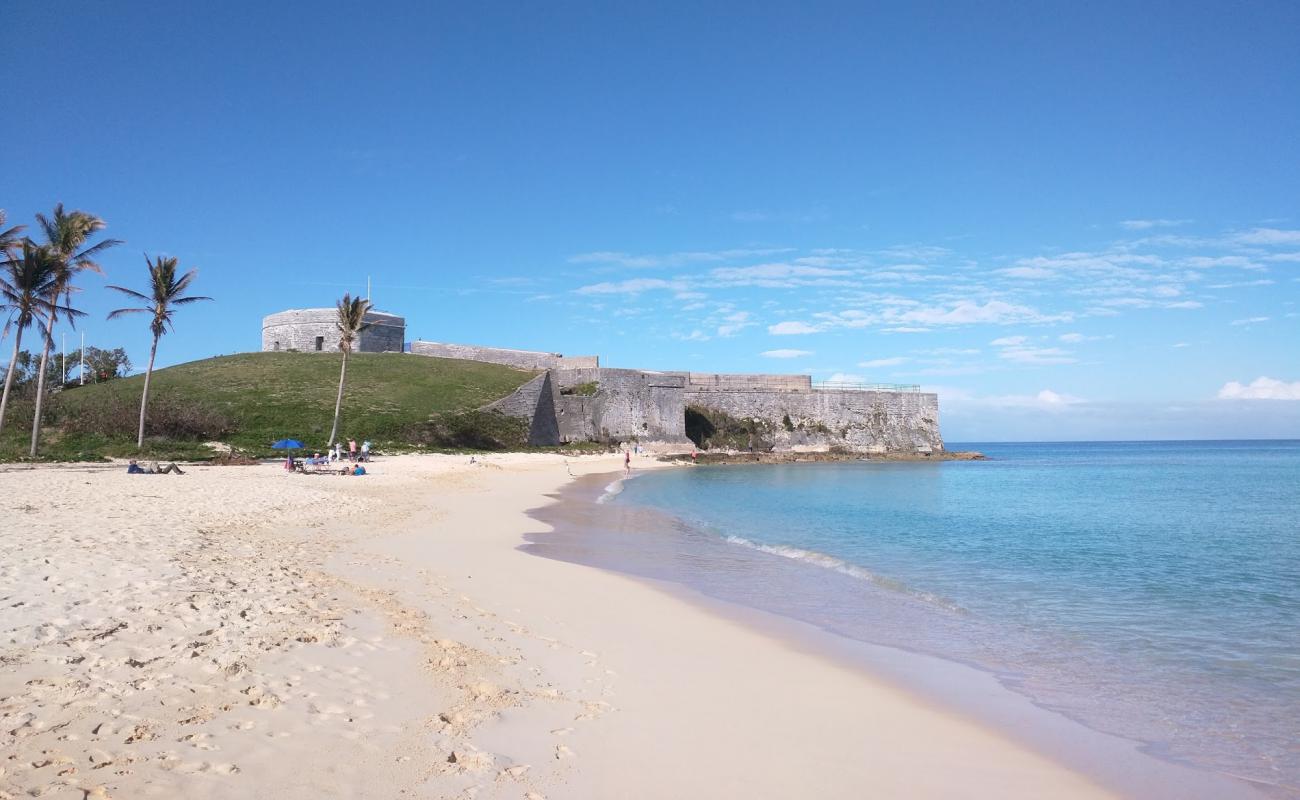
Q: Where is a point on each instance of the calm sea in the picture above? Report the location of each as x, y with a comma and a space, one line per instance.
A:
1147, 589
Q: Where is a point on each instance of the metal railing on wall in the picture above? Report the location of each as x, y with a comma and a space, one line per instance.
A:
847, 386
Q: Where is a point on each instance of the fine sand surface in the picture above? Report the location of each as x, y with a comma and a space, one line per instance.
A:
243, 632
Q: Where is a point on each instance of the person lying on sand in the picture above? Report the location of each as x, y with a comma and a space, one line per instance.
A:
152, 468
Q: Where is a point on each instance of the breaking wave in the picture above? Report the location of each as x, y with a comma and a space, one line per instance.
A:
844, 568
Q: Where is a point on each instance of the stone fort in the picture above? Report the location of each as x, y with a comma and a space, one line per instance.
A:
575, 399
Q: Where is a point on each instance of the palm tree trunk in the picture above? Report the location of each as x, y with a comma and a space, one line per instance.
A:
9, 377
144, 396
338, 403
40, 389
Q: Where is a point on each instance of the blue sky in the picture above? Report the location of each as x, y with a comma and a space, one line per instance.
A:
1071, 220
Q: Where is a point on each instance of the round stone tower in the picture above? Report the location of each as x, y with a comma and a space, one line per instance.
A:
313, 330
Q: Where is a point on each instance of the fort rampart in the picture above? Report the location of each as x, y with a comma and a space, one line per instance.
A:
521, 359
316, 330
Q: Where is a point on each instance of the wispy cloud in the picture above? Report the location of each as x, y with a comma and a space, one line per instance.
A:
792, 328
876, 363
1268, 236
676, 259
1249, 321
631, 286
785, 353
1147, 224
734, 323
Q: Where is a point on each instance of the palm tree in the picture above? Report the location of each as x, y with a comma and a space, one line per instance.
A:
65, 234
8, 239
26, 286
351, 322
9, 242
166, 291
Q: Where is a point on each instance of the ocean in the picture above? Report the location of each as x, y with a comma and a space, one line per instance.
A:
1149, 590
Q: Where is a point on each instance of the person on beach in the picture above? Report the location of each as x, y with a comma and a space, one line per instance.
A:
365, 450
152, 468
358, 470
694, 456
627, 460
352, 449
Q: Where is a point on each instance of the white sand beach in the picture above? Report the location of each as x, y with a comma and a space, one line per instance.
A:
242, 632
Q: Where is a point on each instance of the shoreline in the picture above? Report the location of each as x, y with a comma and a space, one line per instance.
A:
1119, 764
817, 456
389, 633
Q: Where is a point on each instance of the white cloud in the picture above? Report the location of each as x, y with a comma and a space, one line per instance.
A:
734, 324
1009, 341
790, 328
883, 362
1037, 355
844, 377
694, 336
967, 312
1239, 284
631, 286
1030, 273
681, 258
1267, 236
1262, 388
1249, 321
785, 353
781, 275
1146, 224
1178, 345
1072, 337
1044, 400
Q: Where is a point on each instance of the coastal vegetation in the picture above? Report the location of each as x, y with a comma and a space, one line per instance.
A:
166, 291
351, 322
711, 429
234, 404
249, 400
67, 235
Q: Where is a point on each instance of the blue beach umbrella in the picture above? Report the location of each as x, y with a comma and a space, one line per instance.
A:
287, 444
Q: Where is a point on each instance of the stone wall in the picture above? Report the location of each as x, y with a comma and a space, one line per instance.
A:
534, 401
864, 421
312, 330
711, 381
521, 359
627, 405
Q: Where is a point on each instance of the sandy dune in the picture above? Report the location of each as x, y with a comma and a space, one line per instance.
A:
241, 632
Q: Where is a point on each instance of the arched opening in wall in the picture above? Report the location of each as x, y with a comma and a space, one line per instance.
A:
698, 427
276, 347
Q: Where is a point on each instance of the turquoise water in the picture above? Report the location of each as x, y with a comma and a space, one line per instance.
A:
1150, 590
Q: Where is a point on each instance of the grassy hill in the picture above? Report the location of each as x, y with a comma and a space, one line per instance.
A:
253, 399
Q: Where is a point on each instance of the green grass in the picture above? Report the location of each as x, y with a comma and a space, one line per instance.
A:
268, 396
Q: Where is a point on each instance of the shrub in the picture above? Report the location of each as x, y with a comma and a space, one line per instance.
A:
119, 415
585, 389
470, 430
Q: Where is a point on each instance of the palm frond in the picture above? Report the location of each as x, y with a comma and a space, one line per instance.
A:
131, 292
122, 312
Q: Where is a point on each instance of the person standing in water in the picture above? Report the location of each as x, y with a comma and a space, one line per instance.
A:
627, 460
